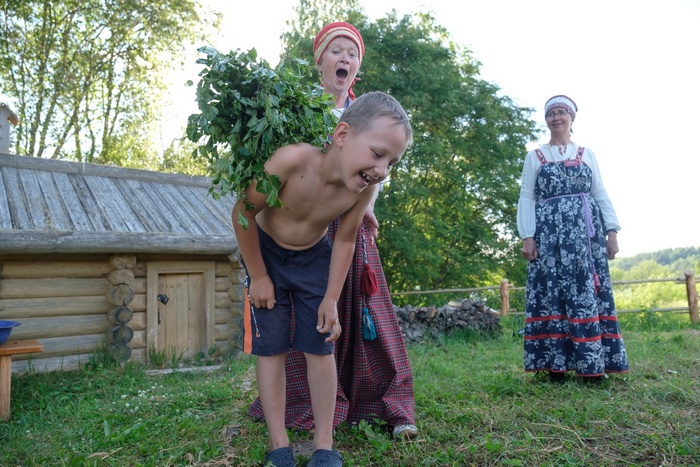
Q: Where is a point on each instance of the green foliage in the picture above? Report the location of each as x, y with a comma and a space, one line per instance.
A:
677, 259
85, 74
653, 321
157, 358
101, 359
310, 16
650, 295
247, 111
448, 212
177, 158
130, 148
375, 436
165, 358
447, 215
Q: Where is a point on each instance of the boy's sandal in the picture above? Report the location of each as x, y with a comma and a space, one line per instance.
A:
325, 458
280, 457
405, 431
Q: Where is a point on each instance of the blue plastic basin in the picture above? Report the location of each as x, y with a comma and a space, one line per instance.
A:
6, 328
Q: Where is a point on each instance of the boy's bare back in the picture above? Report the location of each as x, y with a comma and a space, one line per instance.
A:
312, 195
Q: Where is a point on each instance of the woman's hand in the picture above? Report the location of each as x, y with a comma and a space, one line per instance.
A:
529, 250
371, 223
611, 244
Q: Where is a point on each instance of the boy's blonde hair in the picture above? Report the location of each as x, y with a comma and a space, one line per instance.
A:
369, 107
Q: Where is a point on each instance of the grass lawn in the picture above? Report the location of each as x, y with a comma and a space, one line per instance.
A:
474, 406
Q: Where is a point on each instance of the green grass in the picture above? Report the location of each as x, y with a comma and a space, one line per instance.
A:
474, 406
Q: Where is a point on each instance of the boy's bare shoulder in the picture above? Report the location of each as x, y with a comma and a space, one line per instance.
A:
291, 156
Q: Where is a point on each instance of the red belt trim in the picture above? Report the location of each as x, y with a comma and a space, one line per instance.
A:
568, 336
544, 318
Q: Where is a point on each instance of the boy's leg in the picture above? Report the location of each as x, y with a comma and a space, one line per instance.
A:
271, 387
323, 385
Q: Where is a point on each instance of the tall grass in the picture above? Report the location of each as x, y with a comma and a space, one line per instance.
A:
474, 406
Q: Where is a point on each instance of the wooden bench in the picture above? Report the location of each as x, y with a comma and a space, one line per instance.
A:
7, 350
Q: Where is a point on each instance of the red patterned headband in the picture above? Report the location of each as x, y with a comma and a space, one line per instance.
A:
333, 30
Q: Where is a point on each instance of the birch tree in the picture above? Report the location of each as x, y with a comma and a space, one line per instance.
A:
86, 74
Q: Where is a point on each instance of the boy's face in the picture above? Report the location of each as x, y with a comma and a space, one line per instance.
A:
366, 157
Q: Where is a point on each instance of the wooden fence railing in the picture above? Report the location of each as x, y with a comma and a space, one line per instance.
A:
505, 288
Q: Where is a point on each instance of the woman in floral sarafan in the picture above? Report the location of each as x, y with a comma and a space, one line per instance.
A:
569, 231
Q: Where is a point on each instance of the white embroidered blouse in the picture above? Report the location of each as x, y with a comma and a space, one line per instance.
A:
526, 204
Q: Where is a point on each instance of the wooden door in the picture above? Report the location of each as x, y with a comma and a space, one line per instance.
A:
180, 314
181, 320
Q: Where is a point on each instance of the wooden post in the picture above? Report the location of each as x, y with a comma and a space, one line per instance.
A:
505, 297
7, 118
692, 293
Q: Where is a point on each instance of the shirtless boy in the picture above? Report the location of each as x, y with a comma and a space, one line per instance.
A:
289, 260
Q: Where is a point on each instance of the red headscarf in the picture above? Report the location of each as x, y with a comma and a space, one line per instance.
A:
330, 32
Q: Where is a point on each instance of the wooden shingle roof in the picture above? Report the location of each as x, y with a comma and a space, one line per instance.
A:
50, 206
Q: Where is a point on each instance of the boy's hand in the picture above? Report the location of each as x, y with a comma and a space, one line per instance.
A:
328, 320
261, 292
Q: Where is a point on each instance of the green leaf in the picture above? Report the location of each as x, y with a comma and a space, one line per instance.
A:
242, 220
247, 110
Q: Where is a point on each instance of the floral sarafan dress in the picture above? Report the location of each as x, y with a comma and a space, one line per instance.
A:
571, 323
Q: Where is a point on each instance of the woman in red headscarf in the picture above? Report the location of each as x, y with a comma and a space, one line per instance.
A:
338, 52
374, 375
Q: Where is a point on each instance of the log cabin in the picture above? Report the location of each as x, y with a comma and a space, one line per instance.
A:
116, 261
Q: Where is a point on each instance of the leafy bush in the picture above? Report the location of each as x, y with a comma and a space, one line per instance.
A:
247, 111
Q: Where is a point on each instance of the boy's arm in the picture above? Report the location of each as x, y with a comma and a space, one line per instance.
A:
261, 291
341, 259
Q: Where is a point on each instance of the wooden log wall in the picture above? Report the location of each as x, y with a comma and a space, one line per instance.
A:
77, 305
59, 300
